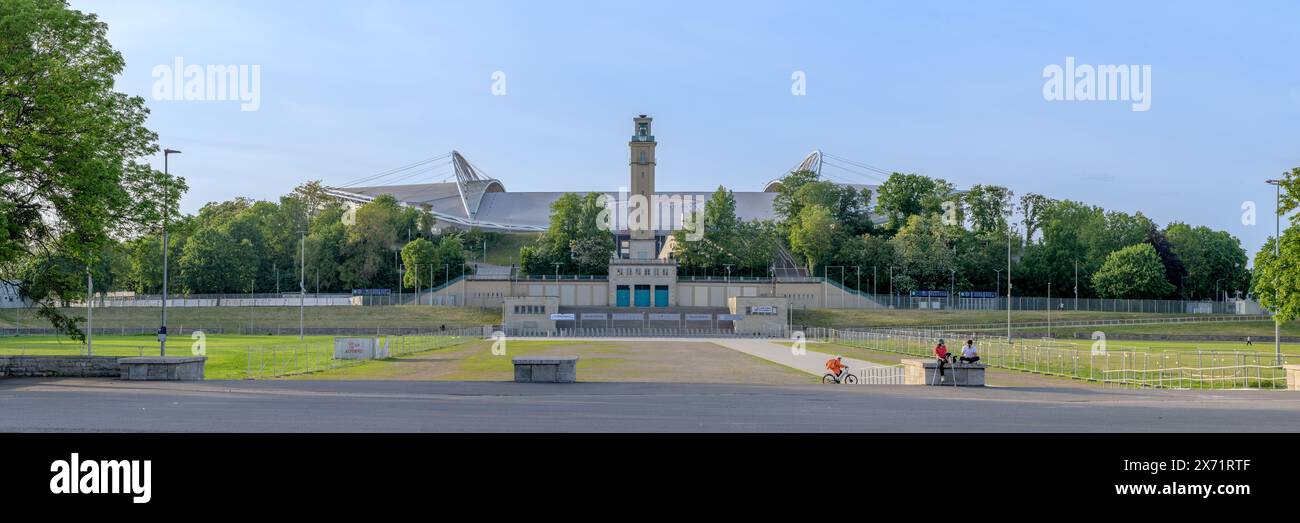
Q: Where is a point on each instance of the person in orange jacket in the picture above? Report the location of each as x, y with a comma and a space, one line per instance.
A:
835, 365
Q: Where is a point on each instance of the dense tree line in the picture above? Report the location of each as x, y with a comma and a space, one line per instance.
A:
933, 237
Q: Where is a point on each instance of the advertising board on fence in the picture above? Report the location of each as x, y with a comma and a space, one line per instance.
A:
360, 348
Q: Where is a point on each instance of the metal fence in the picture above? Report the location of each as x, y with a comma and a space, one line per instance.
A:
638, 332
273, 361
886, 375
1121, 366
962, 327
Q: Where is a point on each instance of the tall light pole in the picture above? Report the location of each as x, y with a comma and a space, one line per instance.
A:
891, 286
162, 331
1076, 284
859, 285
1277, 258
302, 280
90, 314
1049, 309
1010, 229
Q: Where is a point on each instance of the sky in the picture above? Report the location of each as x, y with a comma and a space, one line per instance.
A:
946, 89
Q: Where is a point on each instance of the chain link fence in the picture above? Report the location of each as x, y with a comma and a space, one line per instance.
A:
273, 361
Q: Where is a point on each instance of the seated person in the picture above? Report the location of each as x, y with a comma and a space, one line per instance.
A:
968, 353
941, 352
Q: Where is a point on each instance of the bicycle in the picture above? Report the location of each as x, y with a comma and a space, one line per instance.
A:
844, 377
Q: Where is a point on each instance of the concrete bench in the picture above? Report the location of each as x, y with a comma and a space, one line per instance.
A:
158, 368
534, 369
924, 371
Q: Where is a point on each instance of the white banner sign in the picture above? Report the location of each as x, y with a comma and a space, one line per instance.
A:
763, 309
731, 317
360, 349
594, 316
628, 316
699, 317
665, 317
563, 317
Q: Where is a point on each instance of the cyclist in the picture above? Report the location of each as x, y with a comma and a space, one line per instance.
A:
836, 366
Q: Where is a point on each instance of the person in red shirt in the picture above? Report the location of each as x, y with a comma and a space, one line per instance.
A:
941, 352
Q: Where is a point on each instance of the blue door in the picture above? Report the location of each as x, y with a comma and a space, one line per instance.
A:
622, 297
661, 295
642, 295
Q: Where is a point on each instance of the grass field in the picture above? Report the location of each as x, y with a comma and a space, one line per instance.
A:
506, 250
229, 356
232, 318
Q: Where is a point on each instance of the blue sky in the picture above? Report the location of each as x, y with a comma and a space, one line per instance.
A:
946, 89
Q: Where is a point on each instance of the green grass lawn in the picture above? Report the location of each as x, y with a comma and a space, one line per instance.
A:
232, 318
229, 356
506, 250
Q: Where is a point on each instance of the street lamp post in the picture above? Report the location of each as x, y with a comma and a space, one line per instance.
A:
1277, 257
162, 332
1010, 230
302, 280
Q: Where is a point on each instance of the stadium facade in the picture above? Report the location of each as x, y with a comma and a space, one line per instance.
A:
642, 275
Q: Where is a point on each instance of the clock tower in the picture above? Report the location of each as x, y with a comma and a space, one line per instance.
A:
643, 244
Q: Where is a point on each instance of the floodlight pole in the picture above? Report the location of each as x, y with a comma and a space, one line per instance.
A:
302, 281
162, 332
90, 314
1009, 231
1277, 258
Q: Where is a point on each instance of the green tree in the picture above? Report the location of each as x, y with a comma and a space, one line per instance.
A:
371, 245
420, 257
70, 177
989, 206
1133, 272
814, 236
923, 251
1215, 261
574, 239
905, 195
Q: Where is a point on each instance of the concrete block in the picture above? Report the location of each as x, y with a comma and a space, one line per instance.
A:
546, 369
156, 368
925, 372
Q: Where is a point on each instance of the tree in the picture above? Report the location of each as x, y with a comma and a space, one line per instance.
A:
1275, 283
813, 237
1215, 261
905, 195
214, 262
923, 251
1033, 208
1175, 271
575, 227
1133, 272
371, 242
70, 179
989, 206
419, 256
